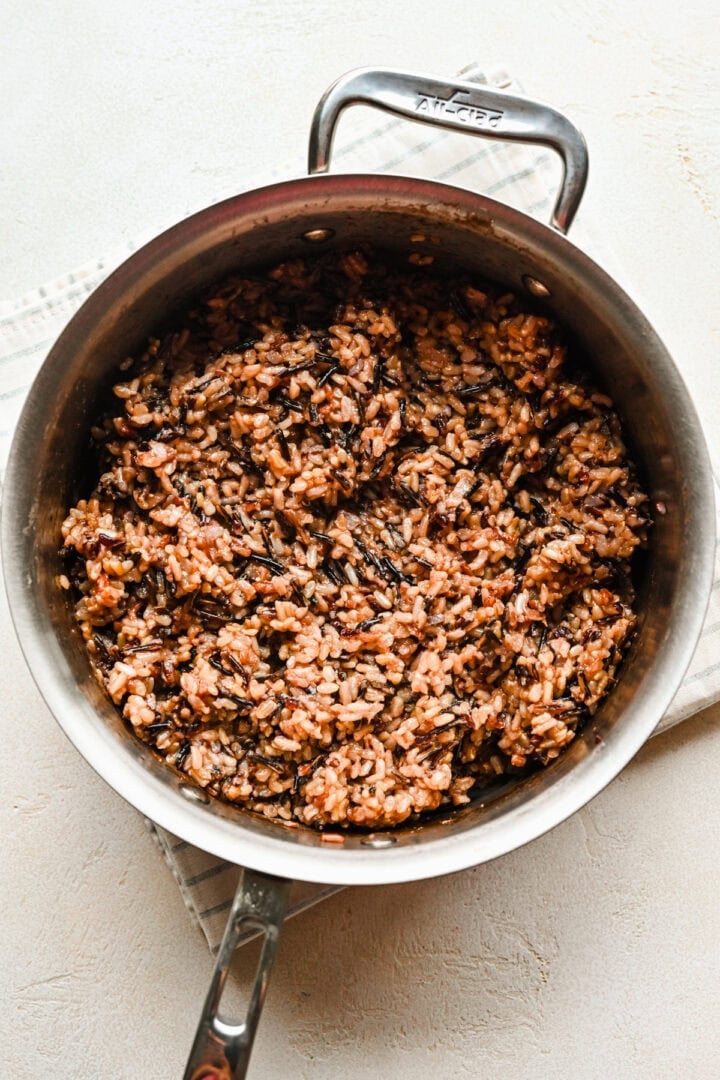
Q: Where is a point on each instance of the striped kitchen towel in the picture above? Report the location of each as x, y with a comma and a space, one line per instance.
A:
523, 176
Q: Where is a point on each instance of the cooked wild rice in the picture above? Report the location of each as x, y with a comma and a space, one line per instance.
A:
360, 543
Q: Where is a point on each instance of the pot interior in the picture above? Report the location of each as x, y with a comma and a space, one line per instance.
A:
48, 471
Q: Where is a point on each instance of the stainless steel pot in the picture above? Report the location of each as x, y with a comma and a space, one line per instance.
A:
47, 463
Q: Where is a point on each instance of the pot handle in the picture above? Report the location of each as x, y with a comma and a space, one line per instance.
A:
461, 106
221, 1050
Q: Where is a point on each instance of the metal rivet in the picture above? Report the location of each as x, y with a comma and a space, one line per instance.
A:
379, 841
535, 287
316, 236
194, 794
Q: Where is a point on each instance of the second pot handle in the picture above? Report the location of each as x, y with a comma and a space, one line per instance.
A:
461, 106
221, 1050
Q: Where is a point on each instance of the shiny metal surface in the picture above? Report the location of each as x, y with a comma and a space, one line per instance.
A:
459, 106
537, 288
47, 466
221, 1048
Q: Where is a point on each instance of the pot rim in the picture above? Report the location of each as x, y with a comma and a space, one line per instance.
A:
233, 839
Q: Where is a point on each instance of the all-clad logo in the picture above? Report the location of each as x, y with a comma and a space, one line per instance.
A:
460, 105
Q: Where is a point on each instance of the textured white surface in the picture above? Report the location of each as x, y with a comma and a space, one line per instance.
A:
593, 952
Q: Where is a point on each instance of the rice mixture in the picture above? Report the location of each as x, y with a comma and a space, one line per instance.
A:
360, 543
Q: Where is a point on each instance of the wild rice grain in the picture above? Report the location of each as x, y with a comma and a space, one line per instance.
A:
418, 584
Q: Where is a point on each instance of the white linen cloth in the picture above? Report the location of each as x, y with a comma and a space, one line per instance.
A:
521, 175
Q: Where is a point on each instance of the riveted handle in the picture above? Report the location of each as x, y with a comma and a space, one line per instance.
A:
460, 106
221, 1050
